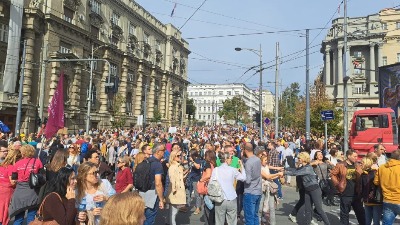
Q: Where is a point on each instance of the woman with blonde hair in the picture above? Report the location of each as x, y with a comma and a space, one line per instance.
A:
73, 157
93, 192
140, 157
312, 190
124, 178
7, 185
372, 206
25, 197
124, 209
176, 191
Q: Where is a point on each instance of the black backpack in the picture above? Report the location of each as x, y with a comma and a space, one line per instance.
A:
142, 181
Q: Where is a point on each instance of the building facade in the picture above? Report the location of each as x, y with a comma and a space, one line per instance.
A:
146, 63
268, 101
209, 98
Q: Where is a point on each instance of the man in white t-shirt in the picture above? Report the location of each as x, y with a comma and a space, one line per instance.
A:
285, 153
380, 153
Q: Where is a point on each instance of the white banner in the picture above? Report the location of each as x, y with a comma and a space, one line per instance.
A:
14, 38
139, 121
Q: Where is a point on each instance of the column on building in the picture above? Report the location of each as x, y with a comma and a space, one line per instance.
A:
104, 80
340, 64
170, 97
29, 49
334, 66
150, 99
138, 93
76, 89
55, 76
327, 66
123, 88
372, 68
162, 102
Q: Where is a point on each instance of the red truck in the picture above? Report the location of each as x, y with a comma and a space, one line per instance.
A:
373, 126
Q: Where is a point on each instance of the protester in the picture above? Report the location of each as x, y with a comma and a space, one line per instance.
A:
24, 197
274, 163
322, 168
380, 152
59, 203
372, 206
312, 190
210, 159
176, 191
93, 192
226, 176
73, 157
105, 171
7, 185
58, 161
3, 150
124, 178
123, 209
345, 177
252, 186
388, 178
193, 177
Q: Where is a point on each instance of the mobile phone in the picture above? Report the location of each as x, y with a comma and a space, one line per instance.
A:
14, 176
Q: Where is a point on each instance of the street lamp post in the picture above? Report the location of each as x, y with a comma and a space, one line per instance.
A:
259, 53
89, 99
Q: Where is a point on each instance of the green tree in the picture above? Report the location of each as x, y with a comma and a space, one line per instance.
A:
319, 101
287, 104
156, 116
235, 109
190, 107
116, 112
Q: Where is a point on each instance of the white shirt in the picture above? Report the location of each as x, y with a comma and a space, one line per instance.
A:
285, 153
226, 176
382, 160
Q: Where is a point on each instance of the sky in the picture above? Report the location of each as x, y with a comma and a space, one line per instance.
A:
213, 60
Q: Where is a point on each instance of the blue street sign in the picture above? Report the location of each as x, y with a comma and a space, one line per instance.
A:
327, 115
267, 121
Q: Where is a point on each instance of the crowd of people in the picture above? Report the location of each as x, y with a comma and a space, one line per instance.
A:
224, 173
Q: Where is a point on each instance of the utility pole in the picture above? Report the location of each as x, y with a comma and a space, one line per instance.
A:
260, 98
345, 80
276, 91
145, 106
42, 81
308, 129
21, 89
89, 98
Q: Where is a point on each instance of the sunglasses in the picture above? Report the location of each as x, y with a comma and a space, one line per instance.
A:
94, 172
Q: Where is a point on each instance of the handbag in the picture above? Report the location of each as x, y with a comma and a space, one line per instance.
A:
39, 217
215, 192
273, 188
36, 180
202, 186
323, 183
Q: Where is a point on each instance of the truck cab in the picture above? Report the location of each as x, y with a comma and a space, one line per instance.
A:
373, 126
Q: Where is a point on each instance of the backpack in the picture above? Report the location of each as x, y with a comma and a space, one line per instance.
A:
84, 148
215, 192
142, 176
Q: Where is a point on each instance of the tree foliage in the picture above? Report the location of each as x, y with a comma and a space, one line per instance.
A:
235, 109
156, 116
118, 115
190, 107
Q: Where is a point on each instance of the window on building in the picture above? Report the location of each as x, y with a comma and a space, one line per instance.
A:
384, 60
113, 70
195, 93
96, 6
114, 40
209, 109
4, 33
146, 38
398, 25
132, 29
66, 86
236, 92
200, 93
1, 71
221, 93
209, 93
358, 54
94, 31
204, 117
158, 45
131, 77
94, 63
93, 96
398, 57
68, 15
384, 26
65, 48
205, 101
229, 92
128, 102
358, 89
115, 18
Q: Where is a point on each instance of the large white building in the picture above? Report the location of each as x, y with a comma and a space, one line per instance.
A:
209, 98
268, 101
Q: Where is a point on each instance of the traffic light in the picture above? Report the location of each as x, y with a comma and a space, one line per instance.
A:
257, 117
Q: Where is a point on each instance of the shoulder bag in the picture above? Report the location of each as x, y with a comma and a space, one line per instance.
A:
39, 217
323, 183
36, 180
202, 185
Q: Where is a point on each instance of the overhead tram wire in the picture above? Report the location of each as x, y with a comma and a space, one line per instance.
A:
192, 15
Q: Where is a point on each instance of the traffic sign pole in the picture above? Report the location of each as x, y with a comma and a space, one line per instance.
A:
326, 136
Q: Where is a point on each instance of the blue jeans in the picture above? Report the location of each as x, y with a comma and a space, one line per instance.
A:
390, 211
278, 183
151, 214
373, 213
251, 203
19, 218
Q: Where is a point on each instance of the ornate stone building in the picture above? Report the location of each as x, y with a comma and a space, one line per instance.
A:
147, 60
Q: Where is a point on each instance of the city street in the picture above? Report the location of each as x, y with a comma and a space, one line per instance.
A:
284, 208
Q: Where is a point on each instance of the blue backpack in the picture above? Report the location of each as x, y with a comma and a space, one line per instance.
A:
84, 148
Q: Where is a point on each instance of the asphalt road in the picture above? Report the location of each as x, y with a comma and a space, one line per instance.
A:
290, 197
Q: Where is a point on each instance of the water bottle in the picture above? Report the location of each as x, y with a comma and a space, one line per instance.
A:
82, 205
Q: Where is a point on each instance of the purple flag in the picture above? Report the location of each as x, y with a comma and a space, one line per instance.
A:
56, 110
